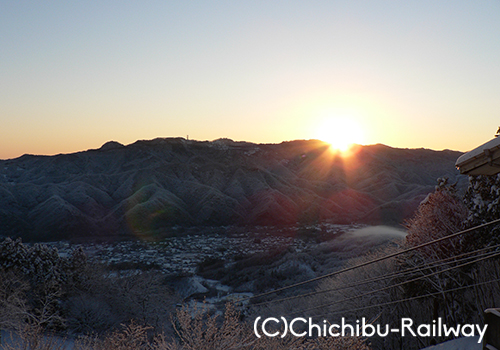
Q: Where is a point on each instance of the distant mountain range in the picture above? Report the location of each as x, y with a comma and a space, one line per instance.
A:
149, 186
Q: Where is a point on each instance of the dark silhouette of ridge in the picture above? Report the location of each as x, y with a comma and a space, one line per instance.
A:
152, 185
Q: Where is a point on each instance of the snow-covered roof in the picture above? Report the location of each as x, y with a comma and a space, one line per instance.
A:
483, 160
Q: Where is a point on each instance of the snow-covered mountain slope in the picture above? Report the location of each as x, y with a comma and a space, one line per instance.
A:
150, 185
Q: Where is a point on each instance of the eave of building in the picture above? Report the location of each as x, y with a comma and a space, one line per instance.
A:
482, 160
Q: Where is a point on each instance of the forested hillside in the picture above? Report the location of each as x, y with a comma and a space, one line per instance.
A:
152, 185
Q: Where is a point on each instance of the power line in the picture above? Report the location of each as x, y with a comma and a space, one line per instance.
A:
435, 264
373, 261
484, 257
409, 299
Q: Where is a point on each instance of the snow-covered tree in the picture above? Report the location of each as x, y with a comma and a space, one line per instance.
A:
440, 214
47, 275
482, 199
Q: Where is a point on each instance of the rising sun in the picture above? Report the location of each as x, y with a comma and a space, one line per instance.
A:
340, 133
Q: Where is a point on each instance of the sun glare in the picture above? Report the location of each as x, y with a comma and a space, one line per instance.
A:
340, 133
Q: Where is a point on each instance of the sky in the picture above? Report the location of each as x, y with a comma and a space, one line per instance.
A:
409, 74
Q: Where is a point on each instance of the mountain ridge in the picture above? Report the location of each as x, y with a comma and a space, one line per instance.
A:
150, 185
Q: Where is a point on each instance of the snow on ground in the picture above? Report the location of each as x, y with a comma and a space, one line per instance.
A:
12, 339
466, 343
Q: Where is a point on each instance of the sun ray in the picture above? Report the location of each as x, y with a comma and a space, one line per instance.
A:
340, 132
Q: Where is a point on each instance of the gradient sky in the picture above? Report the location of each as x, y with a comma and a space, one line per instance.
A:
413, 74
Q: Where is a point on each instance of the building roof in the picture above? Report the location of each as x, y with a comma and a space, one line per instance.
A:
483, 160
